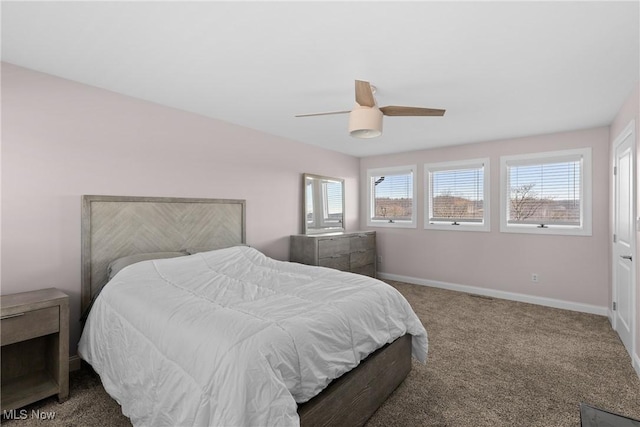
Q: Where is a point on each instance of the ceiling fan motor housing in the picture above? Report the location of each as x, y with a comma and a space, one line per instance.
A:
365, 122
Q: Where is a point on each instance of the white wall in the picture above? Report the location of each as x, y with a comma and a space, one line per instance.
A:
62, 139
572, 269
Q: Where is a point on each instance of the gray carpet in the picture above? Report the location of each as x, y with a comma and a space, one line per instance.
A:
491, 363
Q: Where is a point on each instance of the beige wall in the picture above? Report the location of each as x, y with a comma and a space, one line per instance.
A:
572, 269
62, 139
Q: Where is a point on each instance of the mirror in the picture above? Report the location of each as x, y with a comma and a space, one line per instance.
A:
323, 204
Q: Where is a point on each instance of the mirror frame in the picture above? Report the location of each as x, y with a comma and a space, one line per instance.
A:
317, 202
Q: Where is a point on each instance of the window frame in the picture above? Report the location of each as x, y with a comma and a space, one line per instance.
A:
586, 186
395, 170
485, 225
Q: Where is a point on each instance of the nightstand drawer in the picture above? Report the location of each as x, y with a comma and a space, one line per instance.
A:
31, 324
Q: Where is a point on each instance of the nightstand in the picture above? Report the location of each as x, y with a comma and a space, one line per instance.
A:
35, 347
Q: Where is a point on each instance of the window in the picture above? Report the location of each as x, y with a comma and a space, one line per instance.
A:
332, 203
547, 193
391, 197
457, 195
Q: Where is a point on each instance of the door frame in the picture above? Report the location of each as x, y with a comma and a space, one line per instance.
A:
629, 130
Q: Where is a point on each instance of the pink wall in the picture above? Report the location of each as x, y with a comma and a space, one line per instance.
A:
629, 111
571, 268
62, 139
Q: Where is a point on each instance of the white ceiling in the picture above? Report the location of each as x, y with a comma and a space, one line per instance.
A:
500, 69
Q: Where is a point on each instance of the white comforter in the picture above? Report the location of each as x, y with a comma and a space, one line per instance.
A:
234, 338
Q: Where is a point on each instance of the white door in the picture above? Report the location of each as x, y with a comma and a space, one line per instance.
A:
624, 242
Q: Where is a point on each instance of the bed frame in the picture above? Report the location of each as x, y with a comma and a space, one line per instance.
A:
117, 226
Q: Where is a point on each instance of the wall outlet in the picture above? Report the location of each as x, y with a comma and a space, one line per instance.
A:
379, 260
535, 278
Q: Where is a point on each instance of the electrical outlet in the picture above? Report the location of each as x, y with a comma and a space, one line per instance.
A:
379, 260
535, 278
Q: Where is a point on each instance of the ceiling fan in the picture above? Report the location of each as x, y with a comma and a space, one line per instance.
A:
365, 120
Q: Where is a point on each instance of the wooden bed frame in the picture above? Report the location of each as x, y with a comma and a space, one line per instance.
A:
117, 226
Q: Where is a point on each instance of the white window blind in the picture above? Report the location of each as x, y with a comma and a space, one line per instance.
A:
391, 197
332, 193
457, 195
545, 191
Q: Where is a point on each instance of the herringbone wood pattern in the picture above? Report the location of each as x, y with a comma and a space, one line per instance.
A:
121, 228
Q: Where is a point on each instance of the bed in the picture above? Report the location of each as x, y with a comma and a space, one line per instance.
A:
228, 336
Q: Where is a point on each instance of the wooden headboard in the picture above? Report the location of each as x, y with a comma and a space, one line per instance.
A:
117, 226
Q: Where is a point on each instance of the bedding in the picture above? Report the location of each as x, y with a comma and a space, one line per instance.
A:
232, 337
116, 265
191, 251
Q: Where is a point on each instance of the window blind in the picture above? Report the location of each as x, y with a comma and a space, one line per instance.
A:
546, 192
457, 195
392, 196
333, 206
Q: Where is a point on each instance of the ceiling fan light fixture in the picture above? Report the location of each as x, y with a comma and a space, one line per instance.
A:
365, 122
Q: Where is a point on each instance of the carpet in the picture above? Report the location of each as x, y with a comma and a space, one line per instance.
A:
491, 363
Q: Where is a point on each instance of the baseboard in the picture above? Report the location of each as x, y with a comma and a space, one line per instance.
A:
636, 364
513, 296
74, 363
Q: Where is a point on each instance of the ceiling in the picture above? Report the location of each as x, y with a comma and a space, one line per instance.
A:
500, 69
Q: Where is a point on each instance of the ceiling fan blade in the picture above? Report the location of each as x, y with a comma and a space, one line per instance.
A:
322, 114
364, 94
394, 110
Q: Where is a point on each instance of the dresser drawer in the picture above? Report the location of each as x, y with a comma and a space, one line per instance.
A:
339, 262
362, 258
31, 324
362, 242
366, 270
335, 246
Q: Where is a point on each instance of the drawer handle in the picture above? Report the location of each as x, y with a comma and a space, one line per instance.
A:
9, 316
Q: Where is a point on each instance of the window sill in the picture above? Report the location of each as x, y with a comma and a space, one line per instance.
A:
461, 227
397, 224
550, 230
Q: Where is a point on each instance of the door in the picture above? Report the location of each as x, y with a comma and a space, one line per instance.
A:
624, 240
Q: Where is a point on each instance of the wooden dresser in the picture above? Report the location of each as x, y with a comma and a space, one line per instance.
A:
353, 251
35, 347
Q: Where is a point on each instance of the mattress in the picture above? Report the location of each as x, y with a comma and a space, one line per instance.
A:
232, 337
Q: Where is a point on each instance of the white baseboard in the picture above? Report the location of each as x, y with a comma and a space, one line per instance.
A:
74, 363
513, 296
